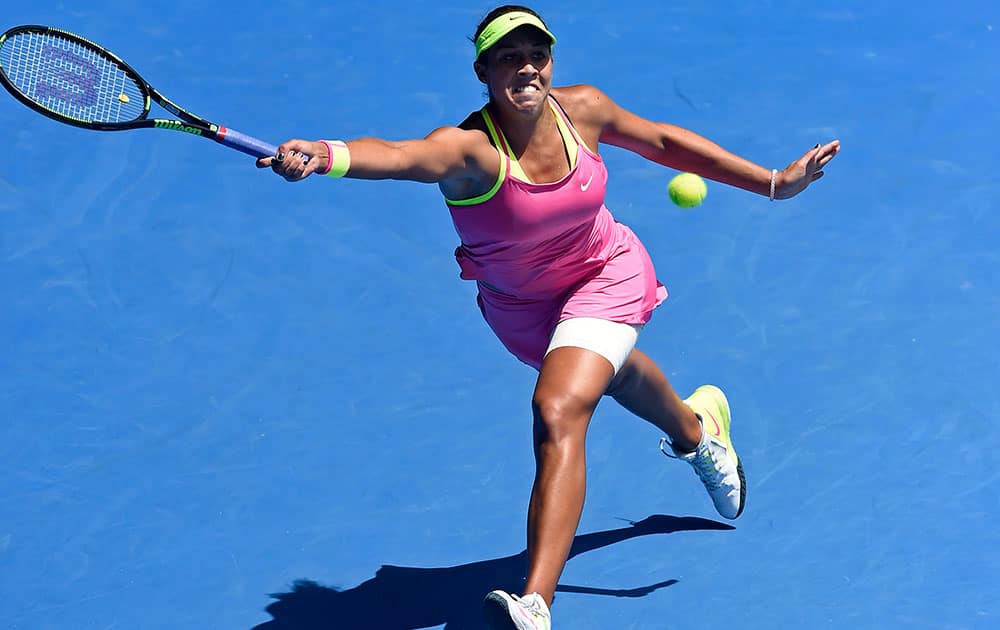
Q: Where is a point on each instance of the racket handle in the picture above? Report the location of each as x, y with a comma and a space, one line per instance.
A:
247, 144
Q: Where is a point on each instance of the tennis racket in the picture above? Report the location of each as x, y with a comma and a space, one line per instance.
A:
77, 82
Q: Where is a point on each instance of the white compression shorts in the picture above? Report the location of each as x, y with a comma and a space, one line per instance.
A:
612, 340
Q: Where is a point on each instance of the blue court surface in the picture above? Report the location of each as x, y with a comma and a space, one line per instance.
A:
229, 402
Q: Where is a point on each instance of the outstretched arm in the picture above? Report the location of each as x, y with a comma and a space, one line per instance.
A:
685, 150
447, 152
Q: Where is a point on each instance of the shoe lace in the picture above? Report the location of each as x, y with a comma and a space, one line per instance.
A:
705, 465
707, 470
533, 606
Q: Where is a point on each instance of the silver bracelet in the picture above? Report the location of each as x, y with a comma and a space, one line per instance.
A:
774, 175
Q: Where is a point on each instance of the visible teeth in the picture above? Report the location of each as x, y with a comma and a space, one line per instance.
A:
526, 88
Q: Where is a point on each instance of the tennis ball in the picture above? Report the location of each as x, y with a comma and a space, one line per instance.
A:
687, 190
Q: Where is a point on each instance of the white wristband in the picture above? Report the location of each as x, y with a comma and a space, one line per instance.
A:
774, 175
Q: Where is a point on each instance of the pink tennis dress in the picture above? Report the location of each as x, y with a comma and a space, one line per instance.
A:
544, 253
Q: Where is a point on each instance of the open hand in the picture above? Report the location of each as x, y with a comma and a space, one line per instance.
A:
799, 174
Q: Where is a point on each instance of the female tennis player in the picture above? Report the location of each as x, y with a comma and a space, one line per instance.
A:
565, 287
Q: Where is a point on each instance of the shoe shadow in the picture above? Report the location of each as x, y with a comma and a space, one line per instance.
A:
408, 598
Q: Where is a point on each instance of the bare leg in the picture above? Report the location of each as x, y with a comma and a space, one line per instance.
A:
570, 384
642, 388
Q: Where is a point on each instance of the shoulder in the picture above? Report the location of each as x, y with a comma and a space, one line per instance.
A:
585, 103
595, 111
590, 110
461, 135
482, 162
474, 122
467, 138
470, 136
580, 94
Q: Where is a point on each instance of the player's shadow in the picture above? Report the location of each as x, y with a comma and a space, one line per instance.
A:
407, 598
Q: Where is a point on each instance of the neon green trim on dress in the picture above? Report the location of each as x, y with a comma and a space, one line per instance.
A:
500, 176
569, 142
507, 154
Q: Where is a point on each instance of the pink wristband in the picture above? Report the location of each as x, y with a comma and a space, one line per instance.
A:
329, 157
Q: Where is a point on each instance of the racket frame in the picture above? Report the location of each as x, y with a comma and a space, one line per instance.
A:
185, 122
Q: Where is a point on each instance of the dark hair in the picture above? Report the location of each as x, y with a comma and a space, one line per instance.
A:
497, 12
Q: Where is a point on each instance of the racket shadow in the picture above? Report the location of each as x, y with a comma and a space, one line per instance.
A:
407, 598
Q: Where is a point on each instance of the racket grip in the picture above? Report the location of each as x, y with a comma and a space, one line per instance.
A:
247, 144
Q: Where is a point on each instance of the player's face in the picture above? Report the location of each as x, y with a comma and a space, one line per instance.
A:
518, 70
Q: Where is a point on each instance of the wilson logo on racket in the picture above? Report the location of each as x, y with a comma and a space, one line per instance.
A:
176, 126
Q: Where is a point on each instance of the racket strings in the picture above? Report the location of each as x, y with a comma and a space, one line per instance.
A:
71, 80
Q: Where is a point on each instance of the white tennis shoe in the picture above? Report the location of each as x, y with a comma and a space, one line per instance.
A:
504, 611
715, 460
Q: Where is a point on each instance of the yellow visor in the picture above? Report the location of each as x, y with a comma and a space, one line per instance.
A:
498, 28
